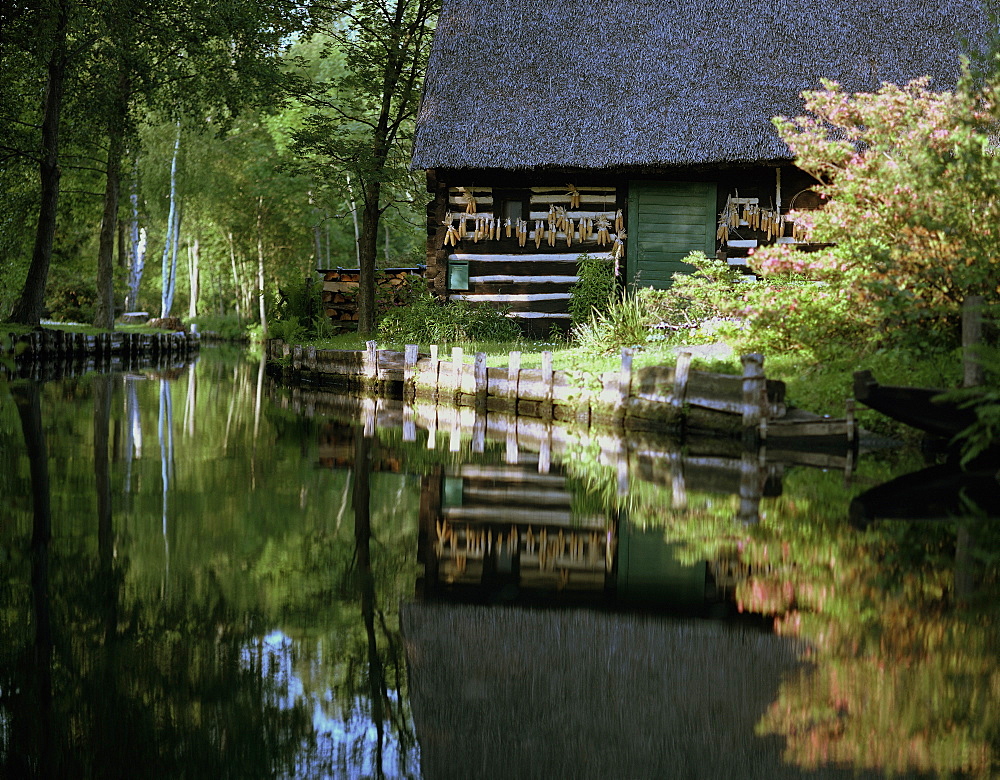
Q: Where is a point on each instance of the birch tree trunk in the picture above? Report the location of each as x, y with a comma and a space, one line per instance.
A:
194, 276
260, 269
166, 294
137, 237
237, 288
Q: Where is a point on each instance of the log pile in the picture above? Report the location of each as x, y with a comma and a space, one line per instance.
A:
340, 291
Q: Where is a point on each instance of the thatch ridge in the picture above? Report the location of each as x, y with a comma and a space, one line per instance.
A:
637, 83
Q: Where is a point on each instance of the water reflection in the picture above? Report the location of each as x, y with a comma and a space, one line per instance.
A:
227, 602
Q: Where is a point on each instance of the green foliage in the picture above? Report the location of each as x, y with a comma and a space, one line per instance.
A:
425, 320
227, 327
626, 323
913, 187
595, 291
70, 297
984, 433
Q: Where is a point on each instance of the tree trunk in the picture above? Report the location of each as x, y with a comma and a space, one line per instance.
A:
237, 288
166, 294
368, 248
28, 308
137, 258
260, 269
194, 276
354, 218
104, 317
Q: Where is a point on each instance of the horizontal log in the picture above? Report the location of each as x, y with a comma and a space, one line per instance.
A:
560, 254
514, 495
520, 515
576, 215
340, 287
510, 474
563, 188
523, 280
536, 315
510, 297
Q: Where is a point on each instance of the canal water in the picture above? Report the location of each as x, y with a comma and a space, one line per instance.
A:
205, 574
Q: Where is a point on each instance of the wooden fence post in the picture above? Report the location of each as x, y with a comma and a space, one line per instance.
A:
547, 382
754, 396
972, 339
479, 373
457, 369
409, 372
681, 371
624, 385
513, 377
436, 373
371, 361
545, 450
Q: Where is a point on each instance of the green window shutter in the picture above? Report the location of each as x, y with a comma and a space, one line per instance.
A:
666, 222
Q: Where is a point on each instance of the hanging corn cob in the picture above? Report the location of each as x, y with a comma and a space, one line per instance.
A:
451, 234
619, 221
560, 218
470, 200
539, 231
521, 229
618, 248
462, 231
603, 235
569, 232
508, 226
574, 196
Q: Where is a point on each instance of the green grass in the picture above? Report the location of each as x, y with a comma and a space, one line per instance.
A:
76, 327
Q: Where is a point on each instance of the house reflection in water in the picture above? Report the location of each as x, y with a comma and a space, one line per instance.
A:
507, 534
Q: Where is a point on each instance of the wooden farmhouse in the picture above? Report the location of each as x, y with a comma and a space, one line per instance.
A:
638, 131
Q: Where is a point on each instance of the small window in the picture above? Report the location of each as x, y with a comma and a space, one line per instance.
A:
512, 209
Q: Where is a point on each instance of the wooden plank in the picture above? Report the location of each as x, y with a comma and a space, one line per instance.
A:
558, 256
514, 495
557, 188
522, 280
510, 297
499, 473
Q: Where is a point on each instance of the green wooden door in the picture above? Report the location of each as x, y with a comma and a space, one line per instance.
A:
666, 222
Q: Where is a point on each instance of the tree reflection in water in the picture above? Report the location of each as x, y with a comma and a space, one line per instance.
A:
246, 658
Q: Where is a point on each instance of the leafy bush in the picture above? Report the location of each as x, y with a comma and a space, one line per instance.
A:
70, 297
422, 319
226, 327
912, 181
595, 291
625, 323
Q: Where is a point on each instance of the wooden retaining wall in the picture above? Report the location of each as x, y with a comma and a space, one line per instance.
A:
650, 398
47, 344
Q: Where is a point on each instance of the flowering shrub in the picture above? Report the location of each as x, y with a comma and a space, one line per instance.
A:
913, 188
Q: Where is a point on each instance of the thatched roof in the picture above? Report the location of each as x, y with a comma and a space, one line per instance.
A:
649, 83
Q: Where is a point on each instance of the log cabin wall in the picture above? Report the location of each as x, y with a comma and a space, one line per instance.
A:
474, 219
517, 244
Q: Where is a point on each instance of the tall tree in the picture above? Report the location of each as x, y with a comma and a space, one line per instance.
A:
55, 20
363, 118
